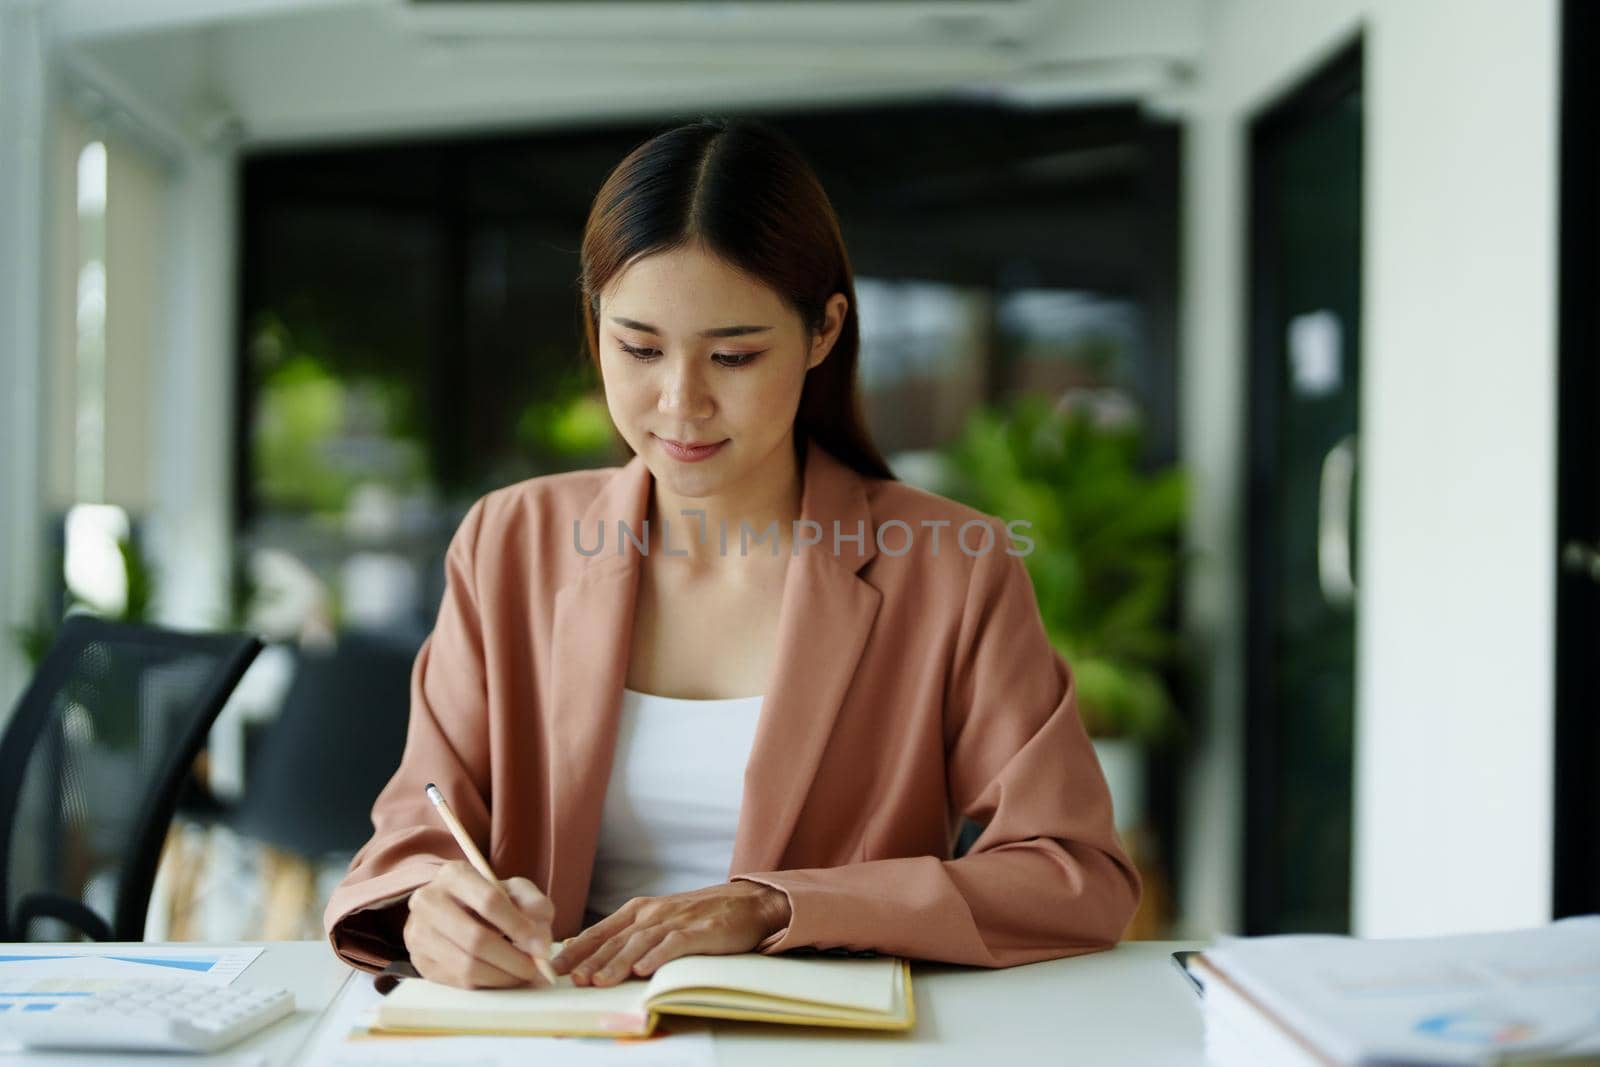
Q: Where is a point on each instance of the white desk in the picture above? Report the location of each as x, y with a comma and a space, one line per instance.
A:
1125, 1006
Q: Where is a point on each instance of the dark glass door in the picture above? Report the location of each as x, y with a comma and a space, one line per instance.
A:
1305, 326
1577, 801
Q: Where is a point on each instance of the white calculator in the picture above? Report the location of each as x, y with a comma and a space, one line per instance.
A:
143, 1015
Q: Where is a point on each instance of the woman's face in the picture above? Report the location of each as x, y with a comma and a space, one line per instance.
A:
695, 352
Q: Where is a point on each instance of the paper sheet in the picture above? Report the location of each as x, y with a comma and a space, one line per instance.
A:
31, 977
37, 979
213, 966
1459, 999
342, 1040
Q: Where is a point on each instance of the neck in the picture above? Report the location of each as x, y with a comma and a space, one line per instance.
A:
772, 494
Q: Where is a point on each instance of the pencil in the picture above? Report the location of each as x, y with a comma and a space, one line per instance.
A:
480, 864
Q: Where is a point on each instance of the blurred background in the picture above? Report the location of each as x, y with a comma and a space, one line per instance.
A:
1277, 318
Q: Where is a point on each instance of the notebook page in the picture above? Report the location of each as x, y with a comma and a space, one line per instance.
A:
868, 984
439, 1002
731, 1003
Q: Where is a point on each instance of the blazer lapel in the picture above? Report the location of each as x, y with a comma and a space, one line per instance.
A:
826, 616
593, 630
827, 613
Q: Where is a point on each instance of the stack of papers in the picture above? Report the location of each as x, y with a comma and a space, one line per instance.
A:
1520, 996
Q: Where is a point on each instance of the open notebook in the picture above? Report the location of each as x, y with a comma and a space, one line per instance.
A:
871, 994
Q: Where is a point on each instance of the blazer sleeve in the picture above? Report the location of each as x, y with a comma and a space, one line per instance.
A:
446, 744
1048, 877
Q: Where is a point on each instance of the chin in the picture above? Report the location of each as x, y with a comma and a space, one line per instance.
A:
689, 482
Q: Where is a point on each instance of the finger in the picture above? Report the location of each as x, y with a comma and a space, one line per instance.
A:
580, 947
451, 967
537, 907
483, 948
464, 879
423, 963
530, 899
488, 900
473, 938
477, 974
673, 944
481, 975
602, 956
621, 965
491, 903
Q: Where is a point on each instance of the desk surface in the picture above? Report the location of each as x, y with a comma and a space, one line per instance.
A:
1125, 1006
1128, 1005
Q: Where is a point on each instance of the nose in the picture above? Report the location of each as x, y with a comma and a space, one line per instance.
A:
684, 394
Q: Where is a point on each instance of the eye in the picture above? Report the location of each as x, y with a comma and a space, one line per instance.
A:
637, 353
727, 359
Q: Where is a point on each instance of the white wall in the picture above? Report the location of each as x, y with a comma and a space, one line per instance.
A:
1456, 679
24, 144
1454, 721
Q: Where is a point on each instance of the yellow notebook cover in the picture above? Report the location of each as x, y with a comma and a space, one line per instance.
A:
870, 994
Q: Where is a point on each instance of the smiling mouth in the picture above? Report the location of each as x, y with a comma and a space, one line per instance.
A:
690, 444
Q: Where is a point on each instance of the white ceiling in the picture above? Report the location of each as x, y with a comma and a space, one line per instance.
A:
279, 71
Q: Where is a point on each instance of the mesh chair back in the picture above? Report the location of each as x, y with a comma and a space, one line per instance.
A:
91, 764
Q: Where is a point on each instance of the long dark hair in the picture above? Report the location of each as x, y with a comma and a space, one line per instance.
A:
742, 189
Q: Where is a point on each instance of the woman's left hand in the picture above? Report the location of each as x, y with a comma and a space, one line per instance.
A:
646, 932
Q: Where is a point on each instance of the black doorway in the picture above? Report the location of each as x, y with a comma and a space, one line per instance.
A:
1304, 385
1577, 771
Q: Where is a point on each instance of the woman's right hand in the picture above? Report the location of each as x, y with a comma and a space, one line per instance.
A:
462, 931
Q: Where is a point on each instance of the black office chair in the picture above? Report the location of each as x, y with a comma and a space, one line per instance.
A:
310, 781
91, 765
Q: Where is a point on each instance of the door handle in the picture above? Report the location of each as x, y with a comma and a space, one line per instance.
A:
1579, 558
1334, 574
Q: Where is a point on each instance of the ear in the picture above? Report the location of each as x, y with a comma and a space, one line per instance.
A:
832, 322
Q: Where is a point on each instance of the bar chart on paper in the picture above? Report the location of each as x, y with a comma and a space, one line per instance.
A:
36, 979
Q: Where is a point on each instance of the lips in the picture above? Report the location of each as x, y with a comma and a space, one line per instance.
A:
690, 452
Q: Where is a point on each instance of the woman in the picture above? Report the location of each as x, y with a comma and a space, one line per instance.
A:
737, 694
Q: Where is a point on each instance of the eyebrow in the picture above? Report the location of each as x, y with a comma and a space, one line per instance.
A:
715, 331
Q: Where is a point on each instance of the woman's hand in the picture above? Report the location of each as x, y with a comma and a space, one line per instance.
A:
646, 932
464, 932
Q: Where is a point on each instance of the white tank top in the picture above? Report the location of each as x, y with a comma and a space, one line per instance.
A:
672, 802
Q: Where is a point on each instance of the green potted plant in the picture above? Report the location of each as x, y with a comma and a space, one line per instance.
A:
1105, 559
138, 581
114, 721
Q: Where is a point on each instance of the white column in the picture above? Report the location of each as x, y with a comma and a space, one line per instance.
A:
193, 390
24, 112
1455, 701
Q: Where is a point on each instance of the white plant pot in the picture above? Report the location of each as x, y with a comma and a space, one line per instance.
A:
1122, 762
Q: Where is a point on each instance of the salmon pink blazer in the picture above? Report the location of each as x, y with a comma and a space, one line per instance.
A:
913, 685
